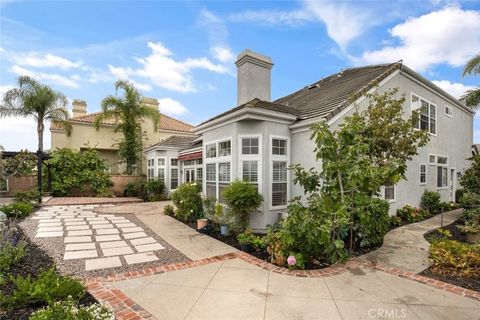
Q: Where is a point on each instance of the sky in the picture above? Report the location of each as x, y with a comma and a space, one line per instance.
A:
183, 52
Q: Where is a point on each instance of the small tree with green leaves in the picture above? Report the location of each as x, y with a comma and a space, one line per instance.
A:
472, 97
128, 111
369, 150
470, 179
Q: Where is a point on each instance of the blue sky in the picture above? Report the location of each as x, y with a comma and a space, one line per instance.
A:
183, 52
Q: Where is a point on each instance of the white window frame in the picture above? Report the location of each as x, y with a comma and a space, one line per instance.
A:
443, 166
164, 166
420, 106
434, 162
170, 177
394, 194
151, 167
251, 157
240, 145
164, 162
447, 107
420, 174
216, 161
273, 158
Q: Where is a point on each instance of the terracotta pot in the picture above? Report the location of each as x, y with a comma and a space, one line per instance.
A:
201, 223
473, 237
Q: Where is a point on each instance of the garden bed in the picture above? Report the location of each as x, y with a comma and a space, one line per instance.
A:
446, 274
33, 263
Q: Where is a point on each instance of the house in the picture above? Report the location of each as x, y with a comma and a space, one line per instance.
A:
84, 134
258, 139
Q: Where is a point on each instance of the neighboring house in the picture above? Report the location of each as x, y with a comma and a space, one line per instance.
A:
259, 139
105, 140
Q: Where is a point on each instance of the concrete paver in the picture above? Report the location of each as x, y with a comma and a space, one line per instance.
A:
70, 255
116, 251
102, 263
149, 247
140, 257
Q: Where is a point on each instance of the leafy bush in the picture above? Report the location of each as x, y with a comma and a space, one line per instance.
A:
135, 188
155, 190
169, 210
209, 207
12, 248
83, 170
17, 210
242, 198
68, 310
248, 237
188, 201
459, 194
412, 214
470, 200
431, 201
470, 179
395, 221
47, 288
472, 220
372, 222
221, 216
27, 196
456, 258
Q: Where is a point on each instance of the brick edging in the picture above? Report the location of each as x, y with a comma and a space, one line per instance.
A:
126, 309
444, 286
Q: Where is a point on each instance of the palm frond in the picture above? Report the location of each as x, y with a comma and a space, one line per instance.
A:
472, 98
150, 113
473, 66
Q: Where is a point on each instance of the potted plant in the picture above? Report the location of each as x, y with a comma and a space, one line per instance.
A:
201, 222
245, 239
222, 219
472, 232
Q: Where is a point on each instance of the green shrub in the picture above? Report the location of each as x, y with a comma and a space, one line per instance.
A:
68, 310
47, 288
431, 201
17, 210
459, 194
155, 190
470, 179
395, 221
169, 210
188, 201
209, 207
83, 170
412, 214
456, 258
12, 248
242, 198
372, 223
470, 200
27, 196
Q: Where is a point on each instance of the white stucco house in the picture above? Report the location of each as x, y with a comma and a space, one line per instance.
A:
258, 139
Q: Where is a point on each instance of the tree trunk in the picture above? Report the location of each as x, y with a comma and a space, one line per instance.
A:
40, 128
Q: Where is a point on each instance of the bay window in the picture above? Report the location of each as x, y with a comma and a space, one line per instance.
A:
173, 178
211, 180
250, 145
224, 149
279, 183
250, 171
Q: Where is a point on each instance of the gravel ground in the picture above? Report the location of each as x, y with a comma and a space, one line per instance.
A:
55, 247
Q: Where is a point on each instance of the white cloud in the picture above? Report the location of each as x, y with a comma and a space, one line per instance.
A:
172, 107
50, 77
274, 17
450, 35
454, 88
20, 133
222, 54
122, 73
4, 88
162, 70
34, 59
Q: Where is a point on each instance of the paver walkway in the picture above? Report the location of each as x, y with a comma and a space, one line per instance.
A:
188, 241
235, 289
405, 248
101, 239
62, 201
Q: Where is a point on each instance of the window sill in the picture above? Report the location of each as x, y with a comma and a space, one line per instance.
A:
279, 207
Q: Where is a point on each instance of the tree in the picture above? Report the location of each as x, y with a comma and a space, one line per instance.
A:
33, 99
470, 179
128, 111
472, 97
369, 150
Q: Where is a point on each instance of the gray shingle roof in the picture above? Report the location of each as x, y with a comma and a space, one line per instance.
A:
178, 142
328, 96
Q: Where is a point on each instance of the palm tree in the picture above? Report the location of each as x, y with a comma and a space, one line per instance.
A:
33, 99
128, 111
472, 97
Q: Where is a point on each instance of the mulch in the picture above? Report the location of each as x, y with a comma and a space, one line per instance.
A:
473, 282
33, 263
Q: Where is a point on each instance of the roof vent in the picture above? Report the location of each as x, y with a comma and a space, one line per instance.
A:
316, 85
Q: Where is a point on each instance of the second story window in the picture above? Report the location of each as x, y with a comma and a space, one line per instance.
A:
211, 150
427, 118
250, 146
224, 148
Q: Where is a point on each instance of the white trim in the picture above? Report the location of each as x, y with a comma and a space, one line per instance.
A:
382, 190
216, 142
285, 158
217, 160
251, 157
420, 174
246, 113
434, 162
446, 114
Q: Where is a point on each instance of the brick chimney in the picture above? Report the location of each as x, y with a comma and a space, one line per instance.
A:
79, 107
152, 102
253, 76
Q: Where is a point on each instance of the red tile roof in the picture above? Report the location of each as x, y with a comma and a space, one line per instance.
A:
166, 123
